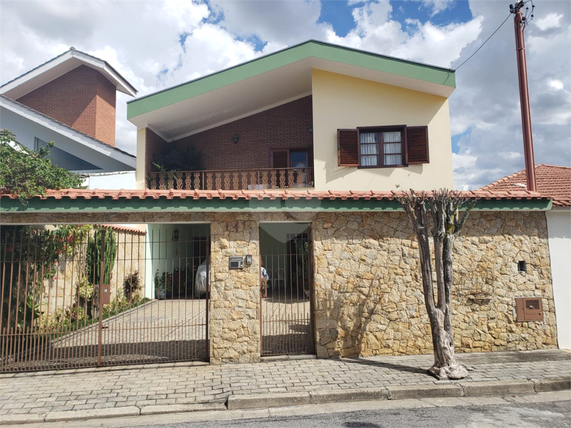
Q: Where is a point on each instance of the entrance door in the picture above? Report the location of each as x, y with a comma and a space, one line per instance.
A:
286, 305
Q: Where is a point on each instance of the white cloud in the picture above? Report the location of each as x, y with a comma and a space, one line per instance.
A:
438, 5
549, 21
555, 84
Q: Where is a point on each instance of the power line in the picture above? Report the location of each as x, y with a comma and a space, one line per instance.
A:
482, 45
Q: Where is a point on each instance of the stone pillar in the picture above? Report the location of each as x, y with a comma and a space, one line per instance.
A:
235, 294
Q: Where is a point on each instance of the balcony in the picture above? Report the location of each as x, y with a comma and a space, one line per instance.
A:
233, 179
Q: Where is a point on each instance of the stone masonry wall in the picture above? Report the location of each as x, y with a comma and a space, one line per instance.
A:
369, 298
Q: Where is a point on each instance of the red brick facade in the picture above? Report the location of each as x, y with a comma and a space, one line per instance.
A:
82, 98
284, 127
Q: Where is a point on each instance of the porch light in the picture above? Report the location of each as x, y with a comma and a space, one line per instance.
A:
236, 137
175, 235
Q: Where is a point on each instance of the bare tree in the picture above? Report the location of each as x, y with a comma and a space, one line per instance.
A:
447, 222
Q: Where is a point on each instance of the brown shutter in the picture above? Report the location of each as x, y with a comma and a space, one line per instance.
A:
417, 144
280, 159
347, 147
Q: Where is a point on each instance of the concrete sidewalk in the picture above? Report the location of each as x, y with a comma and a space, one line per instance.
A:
165, 388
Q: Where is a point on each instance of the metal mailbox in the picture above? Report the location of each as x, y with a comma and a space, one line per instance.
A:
104, 294
529, 309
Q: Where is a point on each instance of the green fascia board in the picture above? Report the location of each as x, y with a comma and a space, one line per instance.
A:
312, 48
109, 205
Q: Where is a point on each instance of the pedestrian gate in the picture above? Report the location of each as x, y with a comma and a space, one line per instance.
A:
84, 296
286, 293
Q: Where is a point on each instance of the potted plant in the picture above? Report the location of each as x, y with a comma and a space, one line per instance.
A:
163, 285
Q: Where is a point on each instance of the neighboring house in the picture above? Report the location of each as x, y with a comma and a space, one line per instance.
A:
302, 155
554, 182
71, 100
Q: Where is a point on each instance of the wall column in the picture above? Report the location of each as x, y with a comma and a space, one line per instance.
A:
141, 151
234, 318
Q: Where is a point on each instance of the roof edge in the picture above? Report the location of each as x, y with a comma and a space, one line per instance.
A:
121, 84
440, 76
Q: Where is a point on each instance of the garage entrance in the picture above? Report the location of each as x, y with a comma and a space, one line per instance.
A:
87, 296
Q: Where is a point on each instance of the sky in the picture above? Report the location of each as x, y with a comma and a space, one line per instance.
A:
156, 44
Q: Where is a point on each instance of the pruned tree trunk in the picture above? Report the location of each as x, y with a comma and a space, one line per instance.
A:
444, 208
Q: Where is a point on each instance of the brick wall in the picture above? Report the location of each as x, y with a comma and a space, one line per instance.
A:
82, 98
285, 126
105, 110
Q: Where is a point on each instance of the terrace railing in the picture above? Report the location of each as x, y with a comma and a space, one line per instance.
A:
232, 179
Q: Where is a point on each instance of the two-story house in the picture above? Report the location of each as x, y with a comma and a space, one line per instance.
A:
269, 194
71, 100
300, 150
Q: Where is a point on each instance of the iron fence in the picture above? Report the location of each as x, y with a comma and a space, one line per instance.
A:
81, 296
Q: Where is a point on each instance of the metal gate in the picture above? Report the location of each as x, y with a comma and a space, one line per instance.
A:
83, 296
286, 289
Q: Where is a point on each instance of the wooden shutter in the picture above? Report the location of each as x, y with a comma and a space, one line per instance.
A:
417, 144
280, 159
347, 147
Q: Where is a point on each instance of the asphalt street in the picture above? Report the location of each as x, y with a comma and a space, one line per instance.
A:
550, 409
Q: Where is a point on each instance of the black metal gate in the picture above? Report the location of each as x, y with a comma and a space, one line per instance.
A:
286, 289
82, 296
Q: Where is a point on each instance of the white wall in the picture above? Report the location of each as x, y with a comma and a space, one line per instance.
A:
26, 130
111, 180
559, 235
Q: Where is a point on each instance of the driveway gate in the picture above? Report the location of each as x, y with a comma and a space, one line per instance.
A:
83, 296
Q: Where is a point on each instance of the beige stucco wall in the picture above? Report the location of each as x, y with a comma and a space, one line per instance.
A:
345, 102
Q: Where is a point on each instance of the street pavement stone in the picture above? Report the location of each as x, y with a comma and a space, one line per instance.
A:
158, 388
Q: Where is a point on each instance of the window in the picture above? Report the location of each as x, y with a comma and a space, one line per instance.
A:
374, 147
290, 158
381, 147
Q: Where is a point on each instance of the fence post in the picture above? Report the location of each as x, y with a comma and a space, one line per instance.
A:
100, 308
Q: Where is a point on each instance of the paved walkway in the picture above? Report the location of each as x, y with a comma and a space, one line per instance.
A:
151, 389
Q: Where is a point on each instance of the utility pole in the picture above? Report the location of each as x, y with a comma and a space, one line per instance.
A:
519, 25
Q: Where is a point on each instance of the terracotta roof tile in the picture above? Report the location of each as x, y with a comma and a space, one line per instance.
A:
484, 193
120, 228
552, 181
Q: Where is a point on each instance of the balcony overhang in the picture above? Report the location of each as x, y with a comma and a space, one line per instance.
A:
273, 80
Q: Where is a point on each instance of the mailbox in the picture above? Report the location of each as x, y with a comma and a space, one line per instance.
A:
104, 294
529, 309
237, 262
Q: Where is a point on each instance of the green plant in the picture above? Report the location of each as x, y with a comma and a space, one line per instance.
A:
26, 173
132, 286
94, 256
30, 311
163, 282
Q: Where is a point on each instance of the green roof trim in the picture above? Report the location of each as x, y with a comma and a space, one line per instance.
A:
134, 205
312, 48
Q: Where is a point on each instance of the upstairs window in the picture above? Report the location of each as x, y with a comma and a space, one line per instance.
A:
377, 147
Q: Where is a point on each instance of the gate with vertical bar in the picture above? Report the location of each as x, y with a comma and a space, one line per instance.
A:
286, 300
83, 296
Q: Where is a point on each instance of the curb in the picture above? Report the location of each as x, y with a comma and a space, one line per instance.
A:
253, 401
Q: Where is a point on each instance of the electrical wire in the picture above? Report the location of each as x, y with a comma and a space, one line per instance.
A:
482, 45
